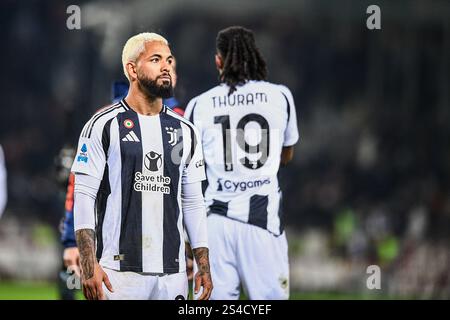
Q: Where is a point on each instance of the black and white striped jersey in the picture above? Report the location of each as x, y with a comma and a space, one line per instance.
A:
142, 162
242, 136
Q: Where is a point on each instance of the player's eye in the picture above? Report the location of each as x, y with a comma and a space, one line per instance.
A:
154, 59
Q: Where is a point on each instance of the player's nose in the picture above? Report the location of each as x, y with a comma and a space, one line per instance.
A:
165, 67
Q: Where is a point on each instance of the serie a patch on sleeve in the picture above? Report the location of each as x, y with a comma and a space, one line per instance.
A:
119, 257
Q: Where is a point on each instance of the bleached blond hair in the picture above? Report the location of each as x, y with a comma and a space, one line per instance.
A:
136, 45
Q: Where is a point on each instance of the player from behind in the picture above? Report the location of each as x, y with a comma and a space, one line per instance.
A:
248, 128
140, 166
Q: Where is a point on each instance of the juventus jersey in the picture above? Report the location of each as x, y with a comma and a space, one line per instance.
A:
142, 162
242, 136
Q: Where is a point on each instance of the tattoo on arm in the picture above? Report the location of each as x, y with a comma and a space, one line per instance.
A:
86, 243
202, 258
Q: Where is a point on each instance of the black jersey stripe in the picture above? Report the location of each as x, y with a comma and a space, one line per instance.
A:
171, 234
125, 104
100, 204
172, 113
103, 192
288, 107
193, 136
281, 213
218, 207
106, 137
193, 145
281, 174
258, 211
130, 240
191, 117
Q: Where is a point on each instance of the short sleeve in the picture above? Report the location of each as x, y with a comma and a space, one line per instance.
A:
195, 165
90, 158
291, 134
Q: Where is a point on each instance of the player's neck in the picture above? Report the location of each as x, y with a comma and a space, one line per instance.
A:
142, 103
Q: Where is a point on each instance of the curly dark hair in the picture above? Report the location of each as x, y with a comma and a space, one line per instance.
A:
242, 59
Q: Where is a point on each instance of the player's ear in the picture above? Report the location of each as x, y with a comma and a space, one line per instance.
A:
219, 62
131, 68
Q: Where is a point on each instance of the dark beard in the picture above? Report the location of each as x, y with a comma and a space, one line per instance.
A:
151, 88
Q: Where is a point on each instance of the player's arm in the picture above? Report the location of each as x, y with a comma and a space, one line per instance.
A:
195, 222
291, 134
203, 275
92, 275
287, 153
189, 256
88, 168
194, 211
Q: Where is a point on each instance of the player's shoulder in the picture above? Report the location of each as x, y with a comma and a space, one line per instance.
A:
201, 104
285, 90
98, 120
177, 117
272, 87
107, 112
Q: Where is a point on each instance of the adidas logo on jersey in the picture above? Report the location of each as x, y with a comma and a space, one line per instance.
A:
131, 137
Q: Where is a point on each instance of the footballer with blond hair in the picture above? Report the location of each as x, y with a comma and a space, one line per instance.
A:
138, 172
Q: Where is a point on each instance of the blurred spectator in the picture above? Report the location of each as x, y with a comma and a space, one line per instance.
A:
3, 183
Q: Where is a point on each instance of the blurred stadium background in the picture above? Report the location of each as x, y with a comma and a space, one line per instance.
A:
369, 183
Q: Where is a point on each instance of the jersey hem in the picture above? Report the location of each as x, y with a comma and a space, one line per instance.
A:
246, 222
138, 269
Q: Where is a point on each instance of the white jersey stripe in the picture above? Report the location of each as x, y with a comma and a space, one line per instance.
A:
111, 229
152, 221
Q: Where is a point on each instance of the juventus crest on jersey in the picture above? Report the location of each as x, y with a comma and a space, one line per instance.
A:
242, 136
142, 161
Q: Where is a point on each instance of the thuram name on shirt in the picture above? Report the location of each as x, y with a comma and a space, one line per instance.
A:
239, 99
151, 183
